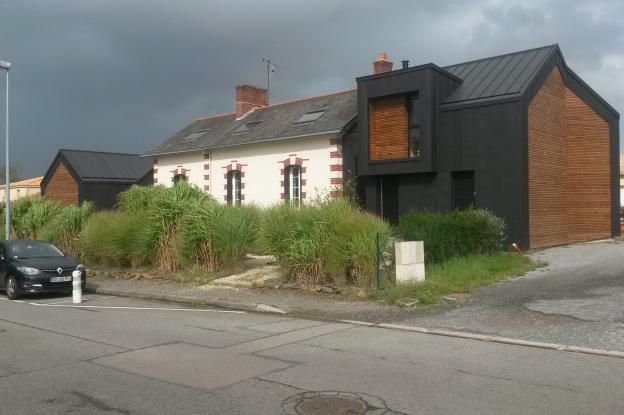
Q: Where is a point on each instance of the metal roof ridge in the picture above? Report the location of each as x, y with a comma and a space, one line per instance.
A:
97, 152
554, 45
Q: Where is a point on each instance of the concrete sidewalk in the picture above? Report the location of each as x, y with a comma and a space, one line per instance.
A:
292, 302
576, 300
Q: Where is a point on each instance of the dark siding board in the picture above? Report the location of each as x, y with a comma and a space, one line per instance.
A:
488, 140
102, 195
424, 191
349, 153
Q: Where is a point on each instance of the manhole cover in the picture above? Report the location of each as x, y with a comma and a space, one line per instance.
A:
338, 405
334, 403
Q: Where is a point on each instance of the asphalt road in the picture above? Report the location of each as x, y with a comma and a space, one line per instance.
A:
578, 299
122, 356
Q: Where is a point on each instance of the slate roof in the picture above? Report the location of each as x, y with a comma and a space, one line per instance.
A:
278, 122
499, 76
94, 166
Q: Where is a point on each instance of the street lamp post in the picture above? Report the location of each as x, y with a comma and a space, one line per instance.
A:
7, 199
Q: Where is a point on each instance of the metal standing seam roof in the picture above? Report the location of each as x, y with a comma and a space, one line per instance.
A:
499, 76
278, 121
112, 167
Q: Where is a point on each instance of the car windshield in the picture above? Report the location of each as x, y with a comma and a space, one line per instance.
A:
33, 249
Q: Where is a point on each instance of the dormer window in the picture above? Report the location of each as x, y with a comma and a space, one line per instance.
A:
195, 135
310, 116
245, 128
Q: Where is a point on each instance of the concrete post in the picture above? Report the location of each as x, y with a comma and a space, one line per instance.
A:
410, 261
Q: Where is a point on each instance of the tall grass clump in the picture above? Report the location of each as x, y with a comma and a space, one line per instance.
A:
19, 208
327, 241
215, 236
456, 234
138, 199
114, 238
40, 212
164, 213
352, 249
64, 229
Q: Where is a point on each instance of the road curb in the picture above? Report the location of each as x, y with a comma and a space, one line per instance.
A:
224, 304
495, 339
267, 309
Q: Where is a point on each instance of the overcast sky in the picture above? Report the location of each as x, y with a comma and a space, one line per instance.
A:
123, 75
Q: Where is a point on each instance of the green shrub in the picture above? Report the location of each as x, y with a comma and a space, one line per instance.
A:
455, 234
114, 238
64, 229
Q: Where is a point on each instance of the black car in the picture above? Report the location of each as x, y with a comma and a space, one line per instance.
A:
28, 267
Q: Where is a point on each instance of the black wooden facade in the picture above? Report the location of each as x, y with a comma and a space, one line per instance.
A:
474, 140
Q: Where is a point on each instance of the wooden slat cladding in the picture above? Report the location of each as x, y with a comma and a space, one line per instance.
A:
62, 187
388, 128
588, 171
569, 168
547, 202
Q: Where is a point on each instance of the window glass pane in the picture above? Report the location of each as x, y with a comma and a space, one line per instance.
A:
195, 135
179, 178
294, 185
247, 127
414, 126
234, 188
414, 113
310, 116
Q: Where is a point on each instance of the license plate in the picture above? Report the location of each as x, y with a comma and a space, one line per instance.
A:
60, 279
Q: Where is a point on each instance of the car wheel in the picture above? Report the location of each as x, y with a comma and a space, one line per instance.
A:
12, 288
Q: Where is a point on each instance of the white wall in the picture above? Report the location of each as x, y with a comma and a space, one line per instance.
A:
19, 191
261, 165
193, 163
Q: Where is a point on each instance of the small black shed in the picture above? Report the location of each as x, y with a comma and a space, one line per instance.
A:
77, 175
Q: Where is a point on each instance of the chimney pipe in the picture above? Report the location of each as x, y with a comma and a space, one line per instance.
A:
405, 64
249, 97
382, 64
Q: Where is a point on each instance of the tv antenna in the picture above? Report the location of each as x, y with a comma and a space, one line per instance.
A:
271, 68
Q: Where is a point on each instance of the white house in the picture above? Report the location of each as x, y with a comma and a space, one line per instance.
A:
262, 154
23, 188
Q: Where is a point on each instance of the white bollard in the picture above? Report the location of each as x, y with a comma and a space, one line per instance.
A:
77, 287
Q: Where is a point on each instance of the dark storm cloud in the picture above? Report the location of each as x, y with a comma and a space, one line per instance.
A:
123, 75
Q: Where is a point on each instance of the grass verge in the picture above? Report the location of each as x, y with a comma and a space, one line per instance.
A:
460, 275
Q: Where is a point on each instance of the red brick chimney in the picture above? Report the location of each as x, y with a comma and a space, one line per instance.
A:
382, 64
249, 97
